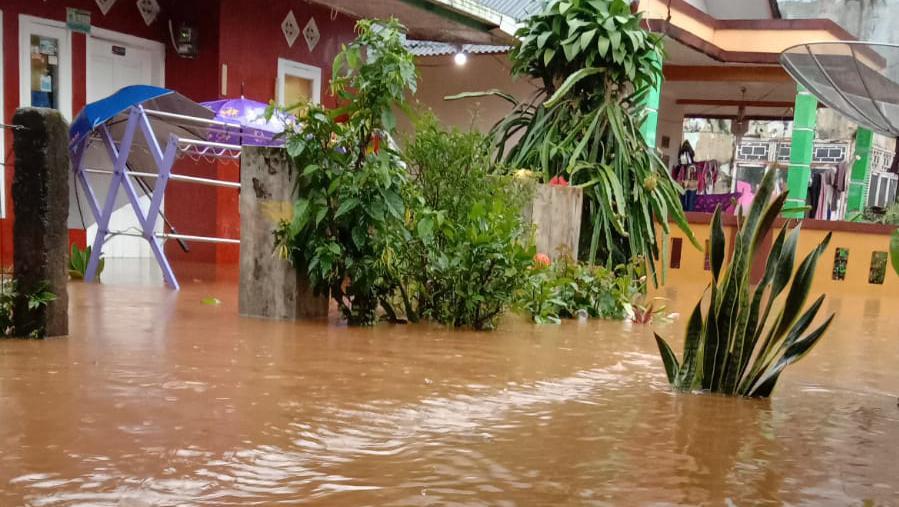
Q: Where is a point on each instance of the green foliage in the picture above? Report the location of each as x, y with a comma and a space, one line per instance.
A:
894, 250
891, 216
567, 288
602, 35
737, 347
78, 260
8, 296
348, 188
464, 250
34, 300
888, 215
597, 65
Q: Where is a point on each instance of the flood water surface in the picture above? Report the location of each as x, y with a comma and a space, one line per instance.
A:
159, 399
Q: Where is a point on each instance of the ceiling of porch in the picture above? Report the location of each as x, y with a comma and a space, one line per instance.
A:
706, 87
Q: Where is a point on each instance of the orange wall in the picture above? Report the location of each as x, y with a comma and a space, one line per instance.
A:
861, 244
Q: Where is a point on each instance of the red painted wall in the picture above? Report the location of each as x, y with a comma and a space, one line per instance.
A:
192, 208
250, 43
123, 17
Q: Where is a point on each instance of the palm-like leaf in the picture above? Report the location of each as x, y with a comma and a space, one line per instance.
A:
596, 63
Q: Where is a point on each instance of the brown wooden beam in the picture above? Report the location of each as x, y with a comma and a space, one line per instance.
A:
738, 103
726, 73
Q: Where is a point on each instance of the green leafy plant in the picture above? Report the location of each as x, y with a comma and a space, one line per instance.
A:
348, 181
894, 250
597, 65
34, 300
887, 216
8, 296
566, 289
739, 347
464, 249
78, 260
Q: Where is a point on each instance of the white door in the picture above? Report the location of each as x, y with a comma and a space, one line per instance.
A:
114, 61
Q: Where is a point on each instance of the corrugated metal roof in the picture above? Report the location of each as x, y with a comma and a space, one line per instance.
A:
518, 9
432, 48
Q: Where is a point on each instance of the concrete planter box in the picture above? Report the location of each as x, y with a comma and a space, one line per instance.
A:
269, 286
556, 212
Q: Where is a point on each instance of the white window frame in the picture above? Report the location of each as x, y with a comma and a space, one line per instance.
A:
157, 49
28, 26
301, 70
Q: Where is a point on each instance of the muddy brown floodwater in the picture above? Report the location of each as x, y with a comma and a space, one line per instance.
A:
158, 399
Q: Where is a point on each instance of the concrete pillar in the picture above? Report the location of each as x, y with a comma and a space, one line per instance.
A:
801, 149
269, 286
650, 125
860, 176
40, 196
556, 214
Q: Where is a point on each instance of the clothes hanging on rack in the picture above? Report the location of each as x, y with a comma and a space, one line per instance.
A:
706, 175
826, 192
696, 178
825, 199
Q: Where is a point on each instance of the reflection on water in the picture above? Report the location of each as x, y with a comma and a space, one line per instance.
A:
158, 399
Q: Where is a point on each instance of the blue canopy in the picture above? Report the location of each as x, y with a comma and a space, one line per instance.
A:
97, 113
112, 113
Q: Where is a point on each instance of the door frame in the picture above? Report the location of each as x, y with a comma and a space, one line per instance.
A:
124, 247
301, 70
157, 49
29, 25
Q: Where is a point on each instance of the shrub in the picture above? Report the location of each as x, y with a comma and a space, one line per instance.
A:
10, 299
348, 183
736, 347
464, 249
568, 288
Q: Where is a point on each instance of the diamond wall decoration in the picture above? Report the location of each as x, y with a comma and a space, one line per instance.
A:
105, 5
311, 34
149, 9
291, 28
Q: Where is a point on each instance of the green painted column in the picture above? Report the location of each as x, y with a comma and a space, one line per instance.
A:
860, 176
802, 147
651, 123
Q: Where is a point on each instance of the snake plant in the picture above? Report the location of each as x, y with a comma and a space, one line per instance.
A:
750, 332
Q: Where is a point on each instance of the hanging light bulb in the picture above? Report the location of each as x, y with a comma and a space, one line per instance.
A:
461, 58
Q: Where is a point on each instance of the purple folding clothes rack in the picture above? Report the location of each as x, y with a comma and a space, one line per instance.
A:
186, 136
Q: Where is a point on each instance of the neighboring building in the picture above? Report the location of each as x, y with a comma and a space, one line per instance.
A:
272, 49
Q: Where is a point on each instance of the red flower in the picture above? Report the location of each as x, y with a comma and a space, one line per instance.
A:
558, 181
542, 260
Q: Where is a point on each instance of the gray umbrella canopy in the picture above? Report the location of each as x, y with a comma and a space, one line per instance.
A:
858, 79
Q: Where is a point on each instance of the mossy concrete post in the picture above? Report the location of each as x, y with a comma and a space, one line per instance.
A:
805, 112
859, 177
556, 214
269, 286
40, 196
